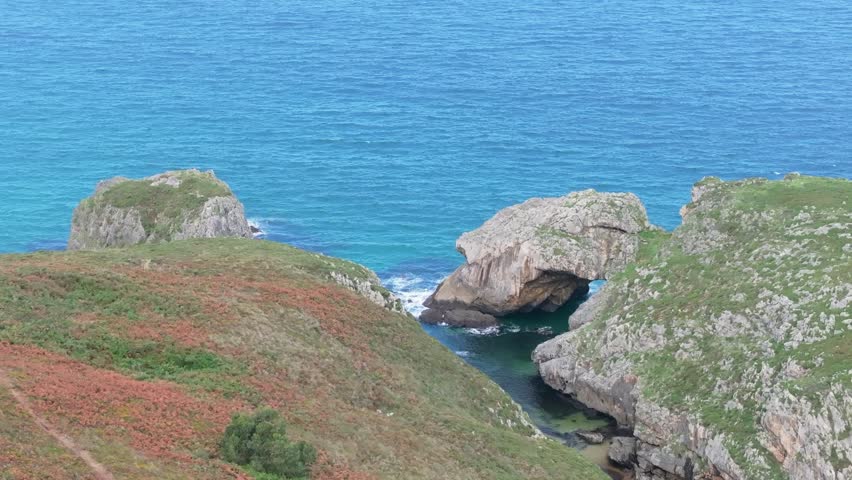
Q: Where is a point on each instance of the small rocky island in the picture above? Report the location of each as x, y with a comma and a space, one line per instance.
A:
537, 255
174, 205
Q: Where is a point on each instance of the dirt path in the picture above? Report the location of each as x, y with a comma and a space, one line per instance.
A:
101, 473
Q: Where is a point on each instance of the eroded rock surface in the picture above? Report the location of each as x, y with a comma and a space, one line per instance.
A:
169, 206
537, 254
726, 345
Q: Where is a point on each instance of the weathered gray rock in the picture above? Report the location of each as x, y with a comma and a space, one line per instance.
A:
169, 206
622, 451
536, 255
368, 285
593, 438
458, 318
724, 345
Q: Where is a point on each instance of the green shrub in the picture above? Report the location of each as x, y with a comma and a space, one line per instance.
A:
259, 442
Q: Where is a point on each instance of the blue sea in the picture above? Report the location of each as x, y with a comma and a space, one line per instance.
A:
379, 131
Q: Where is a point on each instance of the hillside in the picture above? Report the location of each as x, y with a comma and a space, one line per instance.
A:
139, 356
727, 346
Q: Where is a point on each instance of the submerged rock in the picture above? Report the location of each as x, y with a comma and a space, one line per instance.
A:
593, 438
536, 255
459, 318
169, 206
725, 345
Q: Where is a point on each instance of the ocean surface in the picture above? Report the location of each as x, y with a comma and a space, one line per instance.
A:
380, 131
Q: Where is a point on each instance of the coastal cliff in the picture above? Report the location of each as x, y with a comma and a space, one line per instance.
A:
536, 255
725, 347
174, 205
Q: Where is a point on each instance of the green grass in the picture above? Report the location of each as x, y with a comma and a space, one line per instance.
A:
162, 205
365, 385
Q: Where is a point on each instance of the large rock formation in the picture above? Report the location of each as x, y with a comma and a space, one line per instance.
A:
536, 255
170, 206
727, 345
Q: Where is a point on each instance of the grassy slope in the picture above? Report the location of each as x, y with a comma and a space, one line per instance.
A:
141, 355
767, 248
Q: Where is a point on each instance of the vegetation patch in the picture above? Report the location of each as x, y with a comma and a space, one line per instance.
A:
158, 202
259, 442
179, 336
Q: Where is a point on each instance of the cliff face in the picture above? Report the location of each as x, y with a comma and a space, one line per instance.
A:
536, 255
141, 354
727, 345
170, 206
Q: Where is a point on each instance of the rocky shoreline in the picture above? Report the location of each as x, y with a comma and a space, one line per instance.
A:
724, 348
721, 349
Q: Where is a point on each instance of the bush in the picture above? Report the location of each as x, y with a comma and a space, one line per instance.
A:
259, 442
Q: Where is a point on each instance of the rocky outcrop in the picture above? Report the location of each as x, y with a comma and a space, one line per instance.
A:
368, 285
725, 345
536, 255
622, 451
174, 205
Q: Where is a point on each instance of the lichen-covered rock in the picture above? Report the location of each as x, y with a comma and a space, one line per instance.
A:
727, 345
174, 205
537, 254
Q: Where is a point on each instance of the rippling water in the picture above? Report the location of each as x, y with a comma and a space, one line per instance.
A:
379, 131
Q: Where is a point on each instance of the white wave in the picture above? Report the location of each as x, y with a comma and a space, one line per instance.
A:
544, 331
412, 290
463, 353
513, 329
484, 331
259, 224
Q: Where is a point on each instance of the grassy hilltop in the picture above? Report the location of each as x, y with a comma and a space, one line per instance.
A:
141, 355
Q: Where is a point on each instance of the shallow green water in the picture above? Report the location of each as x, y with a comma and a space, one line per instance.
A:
503, 353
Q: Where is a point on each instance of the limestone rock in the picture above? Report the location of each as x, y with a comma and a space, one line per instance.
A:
537, 254
169, 206
622, 451
724, 345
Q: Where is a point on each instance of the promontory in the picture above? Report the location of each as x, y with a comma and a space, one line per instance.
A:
726, 346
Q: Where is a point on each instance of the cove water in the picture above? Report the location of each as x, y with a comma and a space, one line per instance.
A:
379, 131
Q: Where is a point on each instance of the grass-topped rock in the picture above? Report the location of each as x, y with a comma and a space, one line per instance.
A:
727, 345
169, 206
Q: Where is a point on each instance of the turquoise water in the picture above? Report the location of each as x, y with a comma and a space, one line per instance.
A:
380, 131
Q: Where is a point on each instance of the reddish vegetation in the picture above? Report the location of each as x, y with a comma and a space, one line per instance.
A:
159, 418
157, 328
325, 469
